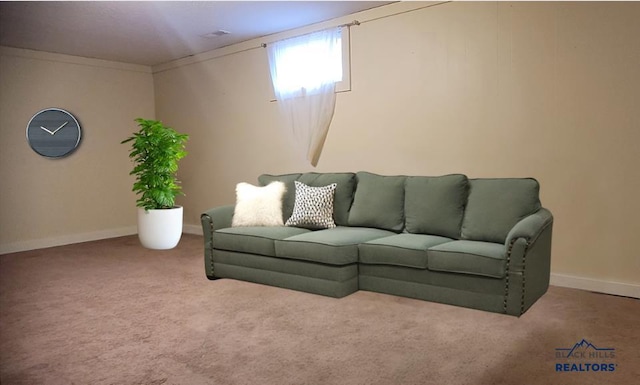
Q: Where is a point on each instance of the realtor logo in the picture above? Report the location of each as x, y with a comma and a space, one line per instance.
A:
584, 356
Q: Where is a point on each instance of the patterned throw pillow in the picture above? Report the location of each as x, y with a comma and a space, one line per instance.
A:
313, 208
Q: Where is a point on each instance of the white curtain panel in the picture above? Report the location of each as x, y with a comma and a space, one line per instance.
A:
304, 71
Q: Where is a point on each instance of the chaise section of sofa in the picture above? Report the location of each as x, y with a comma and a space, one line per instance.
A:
320, 262
478, 243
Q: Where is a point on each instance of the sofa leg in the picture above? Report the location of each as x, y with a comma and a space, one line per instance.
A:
212, 277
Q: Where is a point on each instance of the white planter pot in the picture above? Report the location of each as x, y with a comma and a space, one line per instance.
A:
160, 229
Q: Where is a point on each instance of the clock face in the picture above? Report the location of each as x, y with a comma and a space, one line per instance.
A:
53, 133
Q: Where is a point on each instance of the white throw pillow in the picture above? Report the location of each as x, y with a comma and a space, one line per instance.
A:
313, 208
258, 206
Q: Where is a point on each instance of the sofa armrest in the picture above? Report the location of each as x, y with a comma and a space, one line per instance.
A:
528, 261
212, 220
530, 227
217, 218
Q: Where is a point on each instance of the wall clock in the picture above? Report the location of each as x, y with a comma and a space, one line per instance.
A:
53, 132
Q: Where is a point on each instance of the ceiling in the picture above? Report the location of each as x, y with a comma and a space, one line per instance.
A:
155, 32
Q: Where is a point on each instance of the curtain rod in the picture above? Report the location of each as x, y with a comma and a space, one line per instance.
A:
355, 22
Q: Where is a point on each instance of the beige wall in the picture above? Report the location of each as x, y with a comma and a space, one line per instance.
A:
87, 194
548, 90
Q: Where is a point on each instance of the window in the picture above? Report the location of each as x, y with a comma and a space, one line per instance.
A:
305, 72
302, 64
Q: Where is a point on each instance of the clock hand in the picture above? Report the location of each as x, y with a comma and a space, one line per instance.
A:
47, 130
56, 130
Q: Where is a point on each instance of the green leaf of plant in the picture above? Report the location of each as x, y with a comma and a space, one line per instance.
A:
155, 151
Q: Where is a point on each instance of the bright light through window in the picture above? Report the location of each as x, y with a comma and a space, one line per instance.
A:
307, 63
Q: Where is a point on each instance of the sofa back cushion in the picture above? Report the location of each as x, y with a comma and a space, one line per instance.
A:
435, 205
289, 197
378, 202
496, 205
343, 198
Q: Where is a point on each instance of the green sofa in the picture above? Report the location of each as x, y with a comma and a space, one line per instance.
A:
478, 243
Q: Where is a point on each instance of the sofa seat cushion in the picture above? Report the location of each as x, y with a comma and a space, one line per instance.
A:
408, 250
468, 257
253, 240
336, 246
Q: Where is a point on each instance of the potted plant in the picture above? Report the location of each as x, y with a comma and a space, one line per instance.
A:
156, 150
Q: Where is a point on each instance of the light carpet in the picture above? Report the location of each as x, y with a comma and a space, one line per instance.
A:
112, 312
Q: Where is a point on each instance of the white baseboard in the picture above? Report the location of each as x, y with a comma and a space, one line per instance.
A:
192, 229
82, 237
600, 286
66, 240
